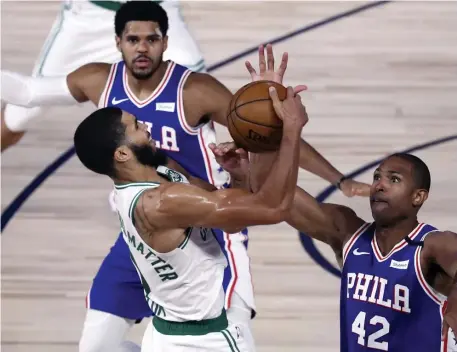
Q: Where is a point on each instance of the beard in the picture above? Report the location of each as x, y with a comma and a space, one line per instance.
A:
146, 155
143, 73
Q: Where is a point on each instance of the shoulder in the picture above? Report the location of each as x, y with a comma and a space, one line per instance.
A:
204, 85
346, 219
201, 80
436, 241
88, 81
98, 69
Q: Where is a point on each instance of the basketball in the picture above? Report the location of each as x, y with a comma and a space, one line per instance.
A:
252, 120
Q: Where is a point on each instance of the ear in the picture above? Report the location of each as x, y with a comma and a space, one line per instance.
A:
122, 154
419, 197
165, 43
118, 42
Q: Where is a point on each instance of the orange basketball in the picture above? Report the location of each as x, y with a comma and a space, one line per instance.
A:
252, 120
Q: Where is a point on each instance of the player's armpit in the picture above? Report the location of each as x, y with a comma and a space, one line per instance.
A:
182, 206
441, 248
88, 82
330, 223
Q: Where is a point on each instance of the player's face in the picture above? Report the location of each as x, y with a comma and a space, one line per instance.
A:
393, 193
142, 45
140, 143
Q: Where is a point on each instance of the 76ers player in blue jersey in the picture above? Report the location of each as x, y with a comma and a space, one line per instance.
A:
398, 288
179, 107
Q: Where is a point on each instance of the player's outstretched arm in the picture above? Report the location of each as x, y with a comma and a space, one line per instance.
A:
84, 84
441, 248
310, 159
181, 206
332, 224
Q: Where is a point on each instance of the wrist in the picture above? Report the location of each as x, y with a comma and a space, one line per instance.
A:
340, 181
291, 131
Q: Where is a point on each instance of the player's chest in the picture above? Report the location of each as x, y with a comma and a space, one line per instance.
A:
390, 282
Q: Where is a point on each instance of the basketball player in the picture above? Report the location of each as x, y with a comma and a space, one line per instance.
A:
178, 107
83, 33
167, 223
399, 287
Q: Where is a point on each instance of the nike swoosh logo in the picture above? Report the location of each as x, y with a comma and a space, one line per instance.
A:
356, 252
115, 102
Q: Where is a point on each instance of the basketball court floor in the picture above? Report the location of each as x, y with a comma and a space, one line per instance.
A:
380, 80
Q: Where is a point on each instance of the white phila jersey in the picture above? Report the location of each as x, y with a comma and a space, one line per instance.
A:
184, 284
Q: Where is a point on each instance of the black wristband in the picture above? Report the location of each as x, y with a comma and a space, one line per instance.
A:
340, 181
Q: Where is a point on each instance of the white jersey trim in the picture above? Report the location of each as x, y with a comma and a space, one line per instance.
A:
163, 83
233, 269
180, 101
399, 246
103, 101
437, 297
347, 247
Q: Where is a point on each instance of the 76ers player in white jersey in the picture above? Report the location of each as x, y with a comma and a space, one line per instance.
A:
398, 288
178, 107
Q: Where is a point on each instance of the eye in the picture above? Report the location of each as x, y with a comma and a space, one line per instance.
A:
395, 179
376, 177
132, 40
153, 39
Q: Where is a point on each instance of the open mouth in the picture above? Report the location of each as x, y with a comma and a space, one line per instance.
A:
378, 204
142, 62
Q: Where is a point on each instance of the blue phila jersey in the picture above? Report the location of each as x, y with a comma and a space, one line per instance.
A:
163, 113
386, 303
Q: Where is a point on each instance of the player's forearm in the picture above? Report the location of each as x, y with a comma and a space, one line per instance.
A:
311, 160
279, 185
27, 91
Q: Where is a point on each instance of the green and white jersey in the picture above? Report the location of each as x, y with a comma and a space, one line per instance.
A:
181, 285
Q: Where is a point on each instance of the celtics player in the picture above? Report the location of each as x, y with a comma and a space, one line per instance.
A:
167, 223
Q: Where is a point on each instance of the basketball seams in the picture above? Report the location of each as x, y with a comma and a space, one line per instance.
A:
242, 118
234, 127
266, 130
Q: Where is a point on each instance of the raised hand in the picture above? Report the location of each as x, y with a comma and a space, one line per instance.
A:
232, 159
351, 188
267, 68
291, 109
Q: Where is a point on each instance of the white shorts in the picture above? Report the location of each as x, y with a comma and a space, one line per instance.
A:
84, 33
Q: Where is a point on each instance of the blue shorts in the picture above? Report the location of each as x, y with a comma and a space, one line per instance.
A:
117, 289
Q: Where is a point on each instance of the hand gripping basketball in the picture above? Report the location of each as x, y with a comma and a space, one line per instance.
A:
291, 110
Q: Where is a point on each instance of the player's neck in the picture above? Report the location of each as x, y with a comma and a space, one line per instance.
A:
141, 173
144, 87
389, 235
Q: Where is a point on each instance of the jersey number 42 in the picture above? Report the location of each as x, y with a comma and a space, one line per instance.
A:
358, 327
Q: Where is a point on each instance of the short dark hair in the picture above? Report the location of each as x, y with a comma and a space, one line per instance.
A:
149, 11
421, 173
97, 138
